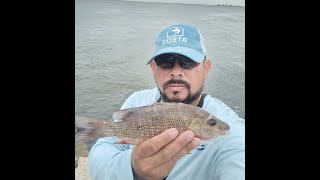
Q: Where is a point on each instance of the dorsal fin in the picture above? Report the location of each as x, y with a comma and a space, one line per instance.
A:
123, 114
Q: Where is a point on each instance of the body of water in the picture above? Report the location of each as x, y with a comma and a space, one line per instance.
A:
114, 39
205, 2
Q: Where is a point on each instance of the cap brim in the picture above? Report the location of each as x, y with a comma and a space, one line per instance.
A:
188, 52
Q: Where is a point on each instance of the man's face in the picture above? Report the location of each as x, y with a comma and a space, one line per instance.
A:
180, 84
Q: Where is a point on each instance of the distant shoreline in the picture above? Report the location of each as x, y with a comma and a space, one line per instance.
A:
240, 3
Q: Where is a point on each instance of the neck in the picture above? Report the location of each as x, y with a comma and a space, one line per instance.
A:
195, 102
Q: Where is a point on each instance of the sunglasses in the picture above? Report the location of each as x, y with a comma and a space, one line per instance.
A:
167, 61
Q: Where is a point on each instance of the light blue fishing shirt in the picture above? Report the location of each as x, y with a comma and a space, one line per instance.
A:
222, 158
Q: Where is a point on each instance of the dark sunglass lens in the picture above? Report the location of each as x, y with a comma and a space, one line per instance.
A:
166, 61
160, 58
165, 65
187, 63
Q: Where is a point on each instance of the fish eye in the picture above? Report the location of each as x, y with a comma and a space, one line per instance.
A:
212, 122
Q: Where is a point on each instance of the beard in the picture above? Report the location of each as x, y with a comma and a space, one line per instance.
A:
190, 97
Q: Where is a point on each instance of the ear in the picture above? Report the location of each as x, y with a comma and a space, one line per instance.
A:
206, 67
152, 65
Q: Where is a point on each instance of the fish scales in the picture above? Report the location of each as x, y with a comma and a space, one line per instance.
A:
148, 121
142, 123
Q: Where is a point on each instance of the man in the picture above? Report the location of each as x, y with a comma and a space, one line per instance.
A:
180, 68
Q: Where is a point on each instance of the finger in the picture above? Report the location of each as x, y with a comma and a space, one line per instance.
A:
166, 167
170, 151
128, 141
177, 145
154, 144
122, 141
189, 147
163, 170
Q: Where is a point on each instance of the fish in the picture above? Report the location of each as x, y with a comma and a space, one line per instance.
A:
138, 124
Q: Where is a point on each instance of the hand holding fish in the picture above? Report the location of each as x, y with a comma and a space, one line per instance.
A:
156, 157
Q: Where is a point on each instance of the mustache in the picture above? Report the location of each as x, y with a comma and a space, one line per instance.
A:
176, 81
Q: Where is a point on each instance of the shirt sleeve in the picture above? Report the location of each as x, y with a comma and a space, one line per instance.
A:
129, 102
110, 161
229, 151
230, 157
232, 163
113, 161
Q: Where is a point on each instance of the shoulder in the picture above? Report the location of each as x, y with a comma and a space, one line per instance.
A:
146, 92
142, 98
224, 112
229, 150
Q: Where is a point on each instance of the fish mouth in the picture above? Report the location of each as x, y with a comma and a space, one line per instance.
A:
216, 135
225, 132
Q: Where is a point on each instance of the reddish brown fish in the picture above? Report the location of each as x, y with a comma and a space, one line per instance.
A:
140, 123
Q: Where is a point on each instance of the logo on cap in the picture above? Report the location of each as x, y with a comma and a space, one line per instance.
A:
175, 35
175, 31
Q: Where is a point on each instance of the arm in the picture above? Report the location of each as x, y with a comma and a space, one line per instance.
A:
228, 152
110, 161
152, 159
230, 162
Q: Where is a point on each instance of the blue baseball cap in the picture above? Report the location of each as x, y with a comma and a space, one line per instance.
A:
184, 39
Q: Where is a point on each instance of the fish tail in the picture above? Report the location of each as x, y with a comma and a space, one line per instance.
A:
88, 128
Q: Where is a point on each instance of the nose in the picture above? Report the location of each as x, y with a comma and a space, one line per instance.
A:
176, 70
